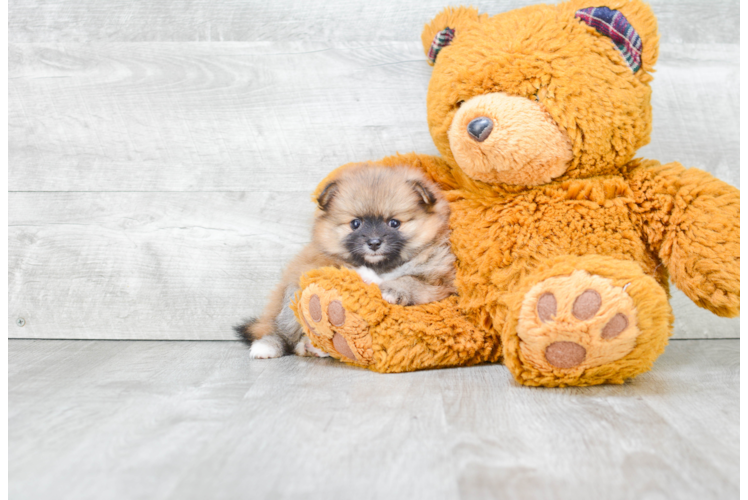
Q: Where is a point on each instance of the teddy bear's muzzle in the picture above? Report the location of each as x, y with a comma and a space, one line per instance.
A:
499, 138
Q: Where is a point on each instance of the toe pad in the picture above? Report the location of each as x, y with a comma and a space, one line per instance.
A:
337, 330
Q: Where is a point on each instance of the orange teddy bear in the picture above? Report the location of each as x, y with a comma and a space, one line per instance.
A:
564, 242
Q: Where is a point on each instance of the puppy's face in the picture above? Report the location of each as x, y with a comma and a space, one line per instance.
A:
379, 217
375, 240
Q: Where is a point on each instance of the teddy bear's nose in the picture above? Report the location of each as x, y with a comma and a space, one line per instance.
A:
480, 128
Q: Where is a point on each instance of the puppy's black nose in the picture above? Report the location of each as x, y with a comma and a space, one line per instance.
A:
374, 243
480, 128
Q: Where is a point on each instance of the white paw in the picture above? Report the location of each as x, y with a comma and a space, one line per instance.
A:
395, 296
264, 349
305, 348
368, 275
390, 297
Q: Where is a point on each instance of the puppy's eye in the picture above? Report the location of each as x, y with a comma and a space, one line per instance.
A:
394, 223
460, 103
355, 224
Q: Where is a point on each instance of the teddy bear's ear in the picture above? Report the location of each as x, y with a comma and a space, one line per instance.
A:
444, 27
631, 26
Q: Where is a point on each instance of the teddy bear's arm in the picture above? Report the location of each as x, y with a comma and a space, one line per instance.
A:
692, 220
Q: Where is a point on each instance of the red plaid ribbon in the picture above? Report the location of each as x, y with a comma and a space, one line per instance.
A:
441, 40
614, 25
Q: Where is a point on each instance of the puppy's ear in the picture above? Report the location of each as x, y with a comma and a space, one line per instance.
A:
427, 197
326, 196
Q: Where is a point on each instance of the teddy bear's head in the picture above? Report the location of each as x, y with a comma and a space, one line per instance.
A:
543, 92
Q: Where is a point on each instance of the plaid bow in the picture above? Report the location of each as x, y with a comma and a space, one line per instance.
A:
614, 25
441, 40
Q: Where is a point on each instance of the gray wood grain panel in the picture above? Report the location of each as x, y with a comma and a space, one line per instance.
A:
680, 21
168, 420
202, 117
692, 322
172, 265
695, 112
279, 116
147, 265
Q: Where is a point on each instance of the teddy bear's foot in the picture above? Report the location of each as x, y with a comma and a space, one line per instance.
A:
576, 322
585, 328
341, 333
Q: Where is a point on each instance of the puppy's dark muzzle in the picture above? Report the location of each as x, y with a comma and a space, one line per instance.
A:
374, 243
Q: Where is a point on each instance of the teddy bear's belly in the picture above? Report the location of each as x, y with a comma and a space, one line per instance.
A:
496, 244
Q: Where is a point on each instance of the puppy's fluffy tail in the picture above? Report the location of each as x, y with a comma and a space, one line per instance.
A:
245, 331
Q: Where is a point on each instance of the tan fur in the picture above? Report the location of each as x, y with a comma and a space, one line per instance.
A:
427, 273
525, 147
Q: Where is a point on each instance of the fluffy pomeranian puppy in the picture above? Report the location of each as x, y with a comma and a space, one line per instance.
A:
390, 224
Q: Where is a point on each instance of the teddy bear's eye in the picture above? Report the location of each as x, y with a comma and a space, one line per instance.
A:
460, 103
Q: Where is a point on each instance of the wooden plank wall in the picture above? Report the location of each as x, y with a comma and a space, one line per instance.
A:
162, 153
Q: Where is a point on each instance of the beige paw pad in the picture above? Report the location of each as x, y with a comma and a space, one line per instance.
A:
344, 334
576, 322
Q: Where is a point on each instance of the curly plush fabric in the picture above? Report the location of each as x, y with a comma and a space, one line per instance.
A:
563, 262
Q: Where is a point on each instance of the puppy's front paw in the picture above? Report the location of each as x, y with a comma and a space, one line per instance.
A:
395, 296
368, 276
304, 347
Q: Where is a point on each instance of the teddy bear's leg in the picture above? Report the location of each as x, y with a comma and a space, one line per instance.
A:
349, 320
585, 321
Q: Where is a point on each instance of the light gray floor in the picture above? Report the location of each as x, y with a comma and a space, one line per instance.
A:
183, 420
743, 458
